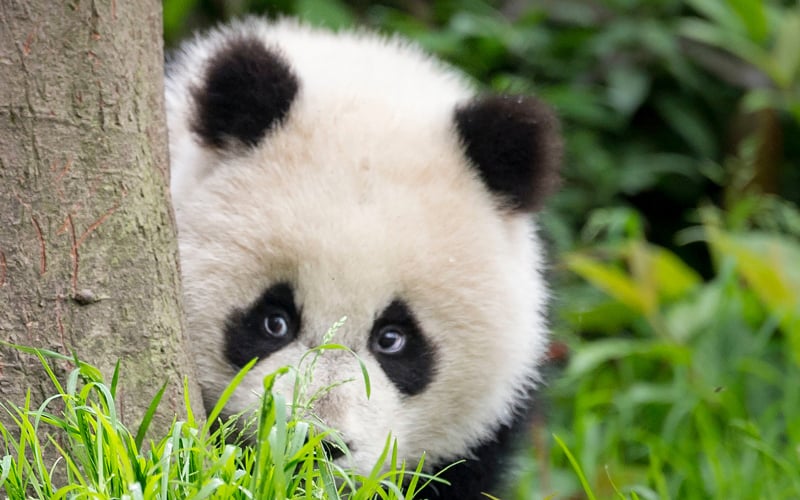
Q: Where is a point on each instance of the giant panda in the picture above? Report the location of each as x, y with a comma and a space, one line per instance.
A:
317, 175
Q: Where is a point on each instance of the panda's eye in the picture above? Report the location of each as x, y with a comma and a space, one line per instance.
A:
390, 340
276, 325
270, 323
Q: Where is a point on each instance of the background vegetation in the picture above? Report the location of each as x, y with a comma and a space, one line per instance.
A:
675, 236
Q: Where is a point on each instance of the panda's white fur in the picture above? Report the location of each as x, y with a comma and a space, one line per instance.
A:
360, 195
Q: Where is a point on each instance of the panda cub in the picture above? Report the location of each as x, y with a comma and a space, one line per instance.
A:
317, 175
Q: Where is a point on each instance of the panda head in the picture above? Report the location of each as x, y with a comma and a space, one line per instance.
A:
319, 175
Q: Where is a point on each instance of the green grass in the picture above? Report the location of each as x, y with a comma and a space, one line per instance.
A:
100, 458
677, 387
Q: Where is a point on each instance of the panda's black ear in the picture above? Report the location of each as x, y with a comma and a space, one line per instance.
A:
515, 144
246, 91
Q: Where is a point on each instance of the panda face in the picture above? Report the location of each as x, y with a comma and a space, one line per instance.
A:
317, 176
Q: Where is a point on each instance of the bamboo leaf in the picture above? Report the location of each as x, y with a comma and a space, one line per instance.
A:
768, 263
787, 51
611, 280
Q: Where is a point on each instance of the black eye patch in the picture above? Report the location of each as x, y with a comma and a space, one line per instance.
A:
250, 333
412, 367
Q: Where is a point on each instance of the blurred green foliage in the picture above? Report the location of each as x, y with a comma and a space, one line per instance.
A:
675, 236
687, 388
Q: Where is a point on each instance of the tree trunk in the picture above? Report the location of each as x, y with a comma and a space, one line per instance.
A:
88, 257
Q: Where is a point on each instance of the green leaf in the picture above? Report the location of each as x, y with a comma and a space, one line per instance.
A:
585, 312
208, 489
576, 467
329, 13
786, 51
148, 416
719, 13
689, 124
611, 280
695, 314
753, 17
594, 354
642, 393
673, 277
769, 265
627, 88
226, 395
729, 41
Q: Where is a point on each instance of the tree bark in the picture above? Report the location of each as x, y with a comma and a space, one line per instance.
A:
88, 257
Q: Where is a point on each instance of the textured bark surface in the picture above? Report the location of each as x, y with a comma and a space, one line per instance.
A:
88, 258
